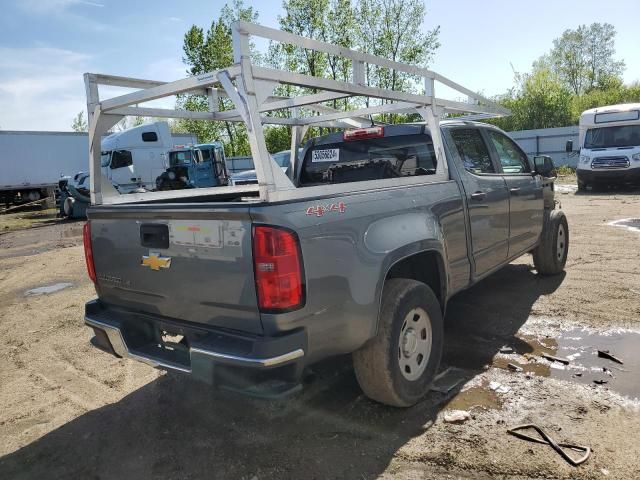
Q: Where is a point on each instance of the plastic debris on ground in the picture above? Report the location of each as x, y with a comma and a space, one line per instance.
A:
456, 416
499, 388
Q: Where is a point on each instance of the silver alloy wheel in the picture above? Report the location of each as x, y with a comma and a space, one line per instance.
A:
414, 344
561, 242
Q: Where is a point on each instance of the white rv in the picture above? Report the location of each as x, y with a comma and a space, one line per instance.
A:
609, 145
134, 158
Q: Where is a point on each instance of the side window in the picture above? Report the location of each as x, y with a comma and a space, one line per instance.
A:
472, 150
206, 155
121, 158
218, 154
511, 158
149, 137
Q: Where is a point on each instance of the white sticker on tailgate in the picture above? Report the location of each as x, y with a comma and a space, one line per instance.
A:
329, 155
191, 234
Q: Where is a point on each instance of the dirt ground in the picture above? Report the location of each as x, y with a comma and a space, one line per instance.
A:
71, 411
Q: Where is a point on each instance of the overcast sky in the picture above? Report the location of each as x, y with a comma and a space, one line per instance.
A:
46, 45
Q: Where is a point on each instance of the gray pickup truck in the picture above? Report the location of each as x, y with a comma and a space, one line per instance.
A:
237, 291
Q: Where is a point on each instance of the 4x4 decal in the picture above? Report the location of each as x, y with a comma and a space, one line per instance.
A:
320, 209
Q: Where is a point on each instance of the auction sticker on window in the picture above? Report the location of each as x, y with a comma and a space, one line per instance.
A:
329, 155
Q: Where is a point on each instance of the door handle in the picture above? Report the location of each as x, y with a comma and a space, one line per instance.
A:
478, 196
514, 190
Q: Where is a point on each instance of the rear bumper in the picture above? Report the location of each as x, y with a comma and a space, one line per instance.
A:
628, 175
138, 337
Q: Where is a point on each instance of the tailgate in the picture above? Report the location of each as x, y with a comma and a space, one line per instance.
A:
186, 264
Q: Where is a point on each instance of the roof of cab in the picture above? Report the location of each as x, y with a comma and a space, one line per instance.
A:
392, 130
183, 148
621, 107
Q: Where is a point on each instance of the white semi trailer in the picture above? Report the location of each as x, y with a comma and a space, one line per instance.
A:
32, 163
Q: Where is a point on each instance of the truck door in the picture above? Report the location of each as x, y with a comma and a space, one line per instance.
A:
487, 199
526, 204
121, 168
203, 168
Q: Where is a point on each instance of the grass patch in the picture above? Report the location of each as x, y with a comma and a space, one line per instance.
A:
10, 222
565, 170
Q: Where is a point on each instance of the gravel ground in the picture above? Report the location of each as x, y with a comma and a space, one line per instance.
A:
71, 411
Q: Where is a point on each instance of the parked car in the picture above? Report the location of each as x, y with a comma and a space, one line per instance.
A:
248, 177
609, 146
258, 291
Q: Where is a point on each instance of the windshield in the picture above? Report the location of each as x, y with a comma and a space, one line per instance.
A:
282, 158
608, 137
105, 158
179, 158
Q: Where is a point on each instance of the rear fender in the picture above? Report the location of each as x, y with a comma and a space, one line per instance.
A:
402, 237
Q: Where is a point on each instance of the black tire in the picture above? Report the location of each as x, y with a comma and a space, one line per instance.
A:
378, 364
550, 256
582, 187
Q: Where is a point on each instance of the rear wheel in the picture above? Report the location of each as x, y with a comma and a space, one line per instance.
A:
398, 365
550, 256
582, 187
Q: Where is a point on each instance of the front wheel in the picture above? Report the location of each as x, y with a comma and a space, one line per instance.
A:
398, 365
550, 256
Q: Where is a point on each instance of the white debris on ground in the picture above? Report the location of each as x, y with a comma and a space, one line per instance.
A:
456, 416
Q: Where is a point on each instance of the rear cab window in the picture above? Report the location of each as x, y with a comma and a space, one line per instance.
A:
402, 152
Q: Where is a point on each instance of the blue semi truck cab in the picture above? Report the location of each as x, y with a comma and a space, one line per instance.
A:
194, 166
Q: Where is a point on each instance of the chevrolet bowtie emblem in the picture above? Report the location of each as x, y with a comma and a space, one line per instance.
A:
155, 262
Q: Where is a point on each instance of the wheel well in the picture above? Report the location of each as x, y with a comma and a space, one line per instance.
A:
426, 267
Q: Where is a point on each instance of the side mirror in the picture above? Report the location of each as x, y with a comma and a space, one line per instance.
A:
568, 148
543, 165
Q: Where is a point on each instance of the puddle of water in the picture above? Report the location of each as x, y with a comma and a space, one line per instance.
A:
581, 347
631, 224
48, 289
475, 397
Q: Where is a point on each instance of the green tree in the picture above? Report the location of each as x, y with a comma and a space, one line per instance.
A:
616, 92
79, 123
307, 18
584, 59
392, 29
388, 28
539, 100
207, 51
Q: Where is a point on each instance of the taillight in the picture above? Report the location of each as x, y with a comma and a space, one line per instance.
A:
362, 133
88, 251
278, 268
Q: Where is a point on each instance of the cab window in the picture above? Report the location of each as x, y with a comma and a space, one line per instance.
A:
472, 150
369, 159
511, 157
105, 159
206, 155
121, 158
179, 158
